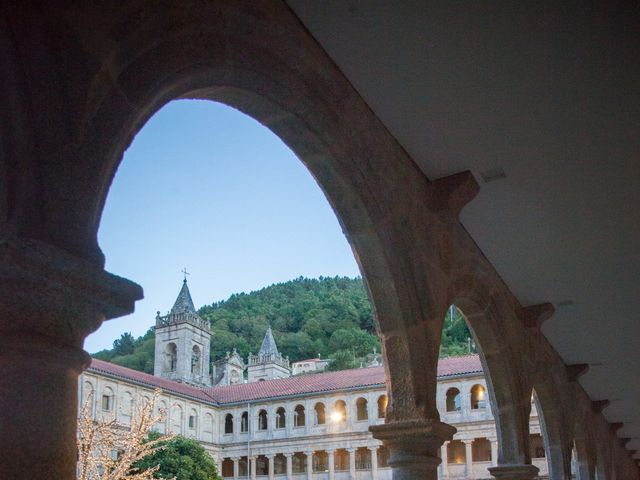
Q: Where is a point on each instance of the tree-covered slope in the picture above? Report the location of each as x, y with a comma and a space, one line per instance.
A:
330, 317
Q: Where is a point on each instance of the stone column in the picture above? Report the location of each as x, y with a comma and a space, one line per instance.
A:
309, 465
413, 446
494, 452
289, 457
236, 468
352, 463
50, 301
444, 455
468, 455
374, 463
252, 464
332, 463
271, 466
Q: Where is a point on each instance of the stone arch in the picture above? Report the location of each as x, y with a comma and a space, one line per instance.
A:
453, 400
320, 413
362, 408
507, 379
244, 57
554, 425
171, 356
382, 406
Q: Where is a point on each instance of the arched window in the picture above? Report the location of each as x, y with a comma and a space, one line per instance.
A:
279, 464
88, 398
361, 409
320, 461
262, 465
481, 450
281, 418
244, 422
171, 357
298, 416
339, 414
363, 458
196, 360
235, 377
107, 399
382, 406
454, 403
299, 463
193, 419
227, 467
126, 407
262, 420
228, 423
478, 397
320, 415
176, 419
162, 411
456, 452
341, 460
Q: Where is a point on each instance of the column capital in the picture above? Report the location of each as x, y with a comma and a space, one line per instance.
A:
46, 291
288, 454
235, 459
413, 445
514, 472
308, 452
373, 448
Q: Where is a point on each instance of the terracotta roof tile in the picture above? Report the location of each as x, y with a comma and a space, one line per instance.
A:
298, 385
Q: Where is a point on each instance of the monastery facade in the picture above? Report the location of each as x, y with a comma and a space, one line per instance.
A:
275, 425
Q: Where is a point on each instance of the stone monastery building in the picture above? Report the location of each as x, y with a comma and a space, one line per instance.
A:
312, 426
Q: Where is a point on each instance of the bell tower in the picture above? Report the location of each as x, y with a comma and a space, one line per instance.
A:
183, 343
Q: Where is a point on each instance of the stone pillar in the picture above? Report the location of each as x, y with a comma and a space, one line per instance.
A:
352, 463
444, 455
252, 464
468, 455
332, 463
236, 468
271, 466
494, 452
309, 465
413, 446
50, 301
289, 457
374, 463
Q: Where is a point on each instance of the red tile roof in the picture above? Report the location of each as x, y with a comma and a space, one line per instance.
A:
297, 385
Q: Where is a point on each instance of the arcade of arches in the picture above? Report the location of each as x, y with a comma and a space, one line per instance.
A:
80, 80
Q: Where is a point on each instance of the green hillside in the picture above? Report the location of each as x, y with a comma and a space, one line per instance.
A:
330, 317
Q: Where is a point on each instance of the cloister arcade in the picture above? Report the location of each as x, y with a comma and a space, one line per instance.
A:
80, 80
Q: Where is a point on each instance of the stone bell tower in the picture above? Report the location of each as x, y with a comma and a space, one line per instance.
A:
183, 343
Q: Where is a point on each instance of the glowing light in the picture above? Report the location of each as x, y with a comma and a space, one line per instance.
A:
336, 417
481, 393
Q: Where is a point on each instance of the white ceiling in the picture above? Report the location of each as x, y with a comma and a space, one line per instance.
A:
550, 94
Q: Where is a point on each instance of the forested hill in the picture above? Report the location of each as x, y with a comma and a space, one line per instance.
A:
330, 317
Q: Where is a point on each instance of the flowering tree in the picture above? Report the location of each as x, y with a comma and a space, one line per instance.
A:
107, 450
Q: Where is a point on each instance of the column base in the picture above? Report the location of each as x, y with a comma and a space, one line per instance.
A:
514, 472
413, 446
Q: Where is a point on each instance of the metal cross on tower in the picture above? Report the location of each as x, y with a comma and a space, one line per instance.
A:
184, 271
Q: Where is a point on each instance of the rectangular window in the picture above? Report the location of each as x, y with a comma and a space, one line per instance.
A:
192, 421
106, 402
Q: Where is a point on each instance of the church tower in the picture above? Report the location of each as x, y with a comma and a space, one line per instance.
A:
269, 363
183, 343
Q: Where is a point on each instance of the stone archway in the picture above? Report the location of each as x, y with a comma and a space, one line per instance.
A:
126, 64
485, 313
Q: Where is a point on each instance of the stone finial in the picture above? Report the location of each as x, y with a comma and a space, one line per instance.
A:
599, 405
454, 192
534, 316
574, 372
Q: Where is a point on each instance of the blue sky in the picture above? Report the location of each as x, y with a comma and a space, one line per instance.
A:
205, 187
